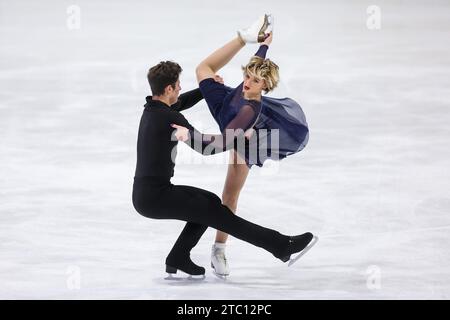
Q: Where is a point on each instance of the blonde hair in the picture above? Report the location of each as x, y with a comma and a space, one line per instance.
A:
264, 69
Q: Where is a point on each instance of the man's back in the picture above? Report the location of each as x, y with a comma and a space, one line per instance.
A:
154, 145
156, 150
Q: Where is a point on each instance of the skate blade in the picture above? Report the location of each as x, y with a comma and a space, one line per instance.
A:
170, 277
220, 276
307, 248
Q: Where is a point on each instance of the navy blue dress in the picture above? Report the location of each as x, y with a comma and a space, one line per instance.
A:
280, 124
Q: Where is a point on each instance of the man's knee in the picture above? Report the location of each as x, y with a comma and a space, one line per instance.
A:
147, 209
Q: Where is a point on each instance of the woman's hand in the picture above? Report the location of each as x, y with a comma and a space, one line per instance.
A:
269, 37
182, 133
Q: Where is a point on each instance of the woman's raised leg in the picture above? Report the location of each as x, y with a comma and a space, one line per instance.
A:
219, 58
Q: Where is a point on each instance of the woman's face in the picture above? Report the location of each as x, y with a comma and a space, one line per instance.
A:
253, 85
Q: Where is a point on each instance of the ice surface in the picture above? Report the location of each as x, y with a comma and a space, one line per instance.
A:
373, 182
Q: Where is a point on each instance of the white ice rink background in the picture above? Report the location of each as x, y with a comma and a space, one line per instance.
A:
373, 78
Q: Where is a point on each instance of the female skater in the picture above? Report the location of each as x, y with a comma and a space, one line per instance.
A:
244, 108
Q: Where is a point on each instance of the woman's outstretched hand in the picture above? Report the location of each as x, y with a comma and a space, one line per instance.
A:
182, 133
268, 40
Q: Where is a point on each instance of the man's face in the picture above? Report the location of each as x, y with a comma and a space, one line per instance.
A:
174, 93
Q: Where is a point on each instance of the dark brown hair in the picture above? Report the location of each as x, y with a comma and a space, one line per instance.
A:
163, 74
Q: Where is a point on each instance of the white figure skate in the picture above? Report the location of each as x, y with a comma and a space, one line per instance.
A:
257, 31
219, 261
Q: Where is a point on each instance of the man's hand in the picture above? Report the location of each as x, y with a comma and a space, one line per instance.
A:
218, 79
249, 133
182, 133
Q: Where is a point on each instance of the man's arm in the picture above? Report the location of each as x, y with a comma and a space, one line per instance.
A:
191, 98
187, 100
208, 144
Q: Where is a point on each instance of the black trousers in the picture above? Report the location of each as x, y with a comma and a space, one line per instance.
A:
157, 198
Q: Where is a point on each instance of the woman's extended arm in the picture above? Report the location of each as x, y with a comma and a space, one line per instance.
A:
262, 51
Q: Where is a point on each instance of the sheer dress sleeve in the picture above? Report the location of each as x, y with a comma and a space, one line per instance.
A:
208, 144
